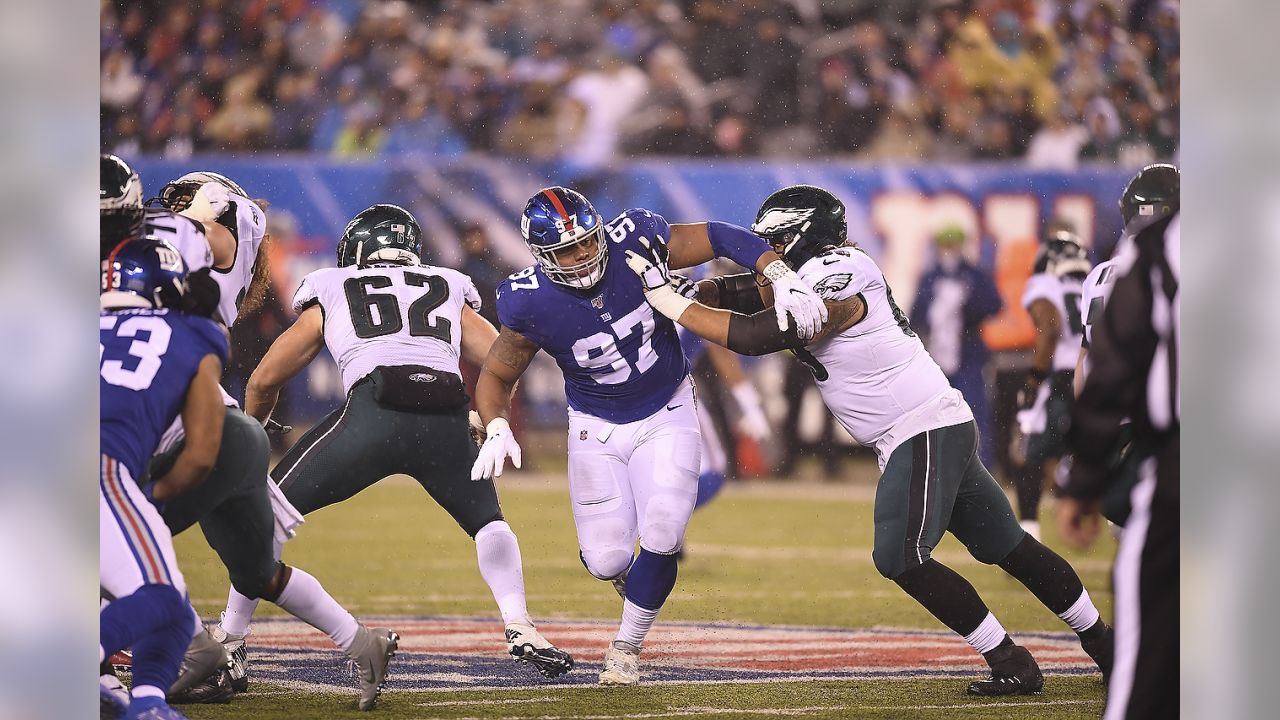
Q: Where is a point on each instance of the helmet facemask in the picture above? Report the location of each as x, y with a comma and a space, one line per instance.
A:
582, 274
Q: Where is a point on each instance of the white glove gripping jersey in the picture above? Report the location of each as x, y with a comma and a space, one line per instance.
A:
390, 315
1064, 294
876, 377
183, 233
251, 227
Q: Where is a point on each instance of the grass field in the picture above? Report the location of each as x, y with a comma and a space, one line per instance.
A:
761, 554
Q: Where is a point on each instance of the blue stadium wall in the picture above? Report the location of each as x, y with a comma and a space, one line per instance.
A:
893, 210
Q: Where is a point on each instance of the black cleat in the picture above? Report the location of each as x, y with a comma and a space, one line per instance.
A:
1013, 672
1102, 649
213, 690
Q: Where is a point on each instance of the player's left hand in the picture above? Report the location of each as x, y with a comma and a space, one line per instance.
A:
793, 299
1079, 521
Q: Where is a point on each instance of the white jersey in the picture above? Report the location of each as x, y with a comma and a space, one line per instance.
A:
876, 377
1094, 294
1064, 294
251, 227
390, 315
183, 233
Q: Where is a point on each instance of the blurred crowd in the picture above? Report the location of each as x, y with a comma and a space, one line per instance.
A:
1053, 82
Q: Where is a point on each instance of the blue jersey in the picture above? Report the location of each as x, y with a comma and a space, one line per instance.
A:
621, 361
146, 360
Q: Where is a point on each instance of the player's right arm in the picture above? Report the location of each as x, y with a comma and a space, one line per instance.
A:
478, 335
507, 360
202, 416
289, 355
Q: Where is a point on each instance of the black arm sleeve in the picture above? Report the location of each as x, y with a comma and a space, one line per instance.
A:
739, 293
758, 334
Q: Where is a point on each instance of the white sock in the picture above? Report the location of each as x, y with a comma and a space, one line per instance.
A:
636, 622
306, 600
1082, 614
498, 554
989, 634
238, 615
147, 691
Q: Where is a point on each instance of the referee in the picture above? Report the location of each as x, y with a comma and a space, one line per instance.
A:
1133, 373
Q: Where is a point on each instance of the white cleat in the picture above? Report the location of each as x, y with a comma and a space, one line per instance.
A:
621, 666
525, 643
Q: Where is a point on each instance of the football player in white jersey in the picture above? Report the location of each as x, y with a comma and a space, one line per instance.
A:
397, 329
1052, 298
125, 217
880, 383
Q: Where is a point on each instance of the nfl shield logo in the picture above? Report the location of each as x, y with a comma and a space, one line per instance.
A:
597, 302
582, 435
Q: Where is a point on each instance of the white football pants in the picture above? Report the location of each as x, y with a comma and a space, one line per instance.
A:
135, 547
633, 481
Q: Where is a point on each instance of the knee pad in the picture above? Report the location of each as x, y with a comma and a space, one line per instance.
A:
254, 582
896, 557
606, 563
662, 538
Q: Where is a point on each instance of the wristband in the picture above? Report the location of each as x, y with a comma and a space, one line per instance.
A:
777, 270
736, 243
497, 425
667, 301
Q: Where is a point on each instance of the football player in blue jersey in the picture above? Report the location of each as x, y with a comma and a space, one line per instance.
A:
154, 364
633, 426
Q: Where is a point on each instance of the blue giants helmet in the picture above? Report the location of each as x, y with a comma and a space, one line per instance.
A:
146, 273
557, 221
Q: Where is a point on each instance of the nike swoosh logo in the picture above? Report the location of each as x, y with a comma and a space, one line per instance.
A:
830, 261
673, 407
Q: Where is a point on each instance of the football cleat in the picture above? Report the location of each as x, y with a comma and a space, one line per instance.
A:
370, 655
239, 669
113, 698
1102, 650
205, 660
621, 665
1013, 672
525, 643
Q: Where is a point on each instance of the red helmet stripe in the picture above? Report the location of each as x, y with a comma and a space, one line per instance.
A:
111, 260
555, 201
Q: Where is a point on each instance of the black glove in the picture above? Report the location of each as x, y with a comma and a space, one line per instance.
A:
202, 294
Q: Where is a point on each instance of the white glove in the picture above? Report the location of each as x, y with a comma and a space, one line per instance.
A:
683, 286
498, 446
657, 282
793, 297
209, 203
753, 423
